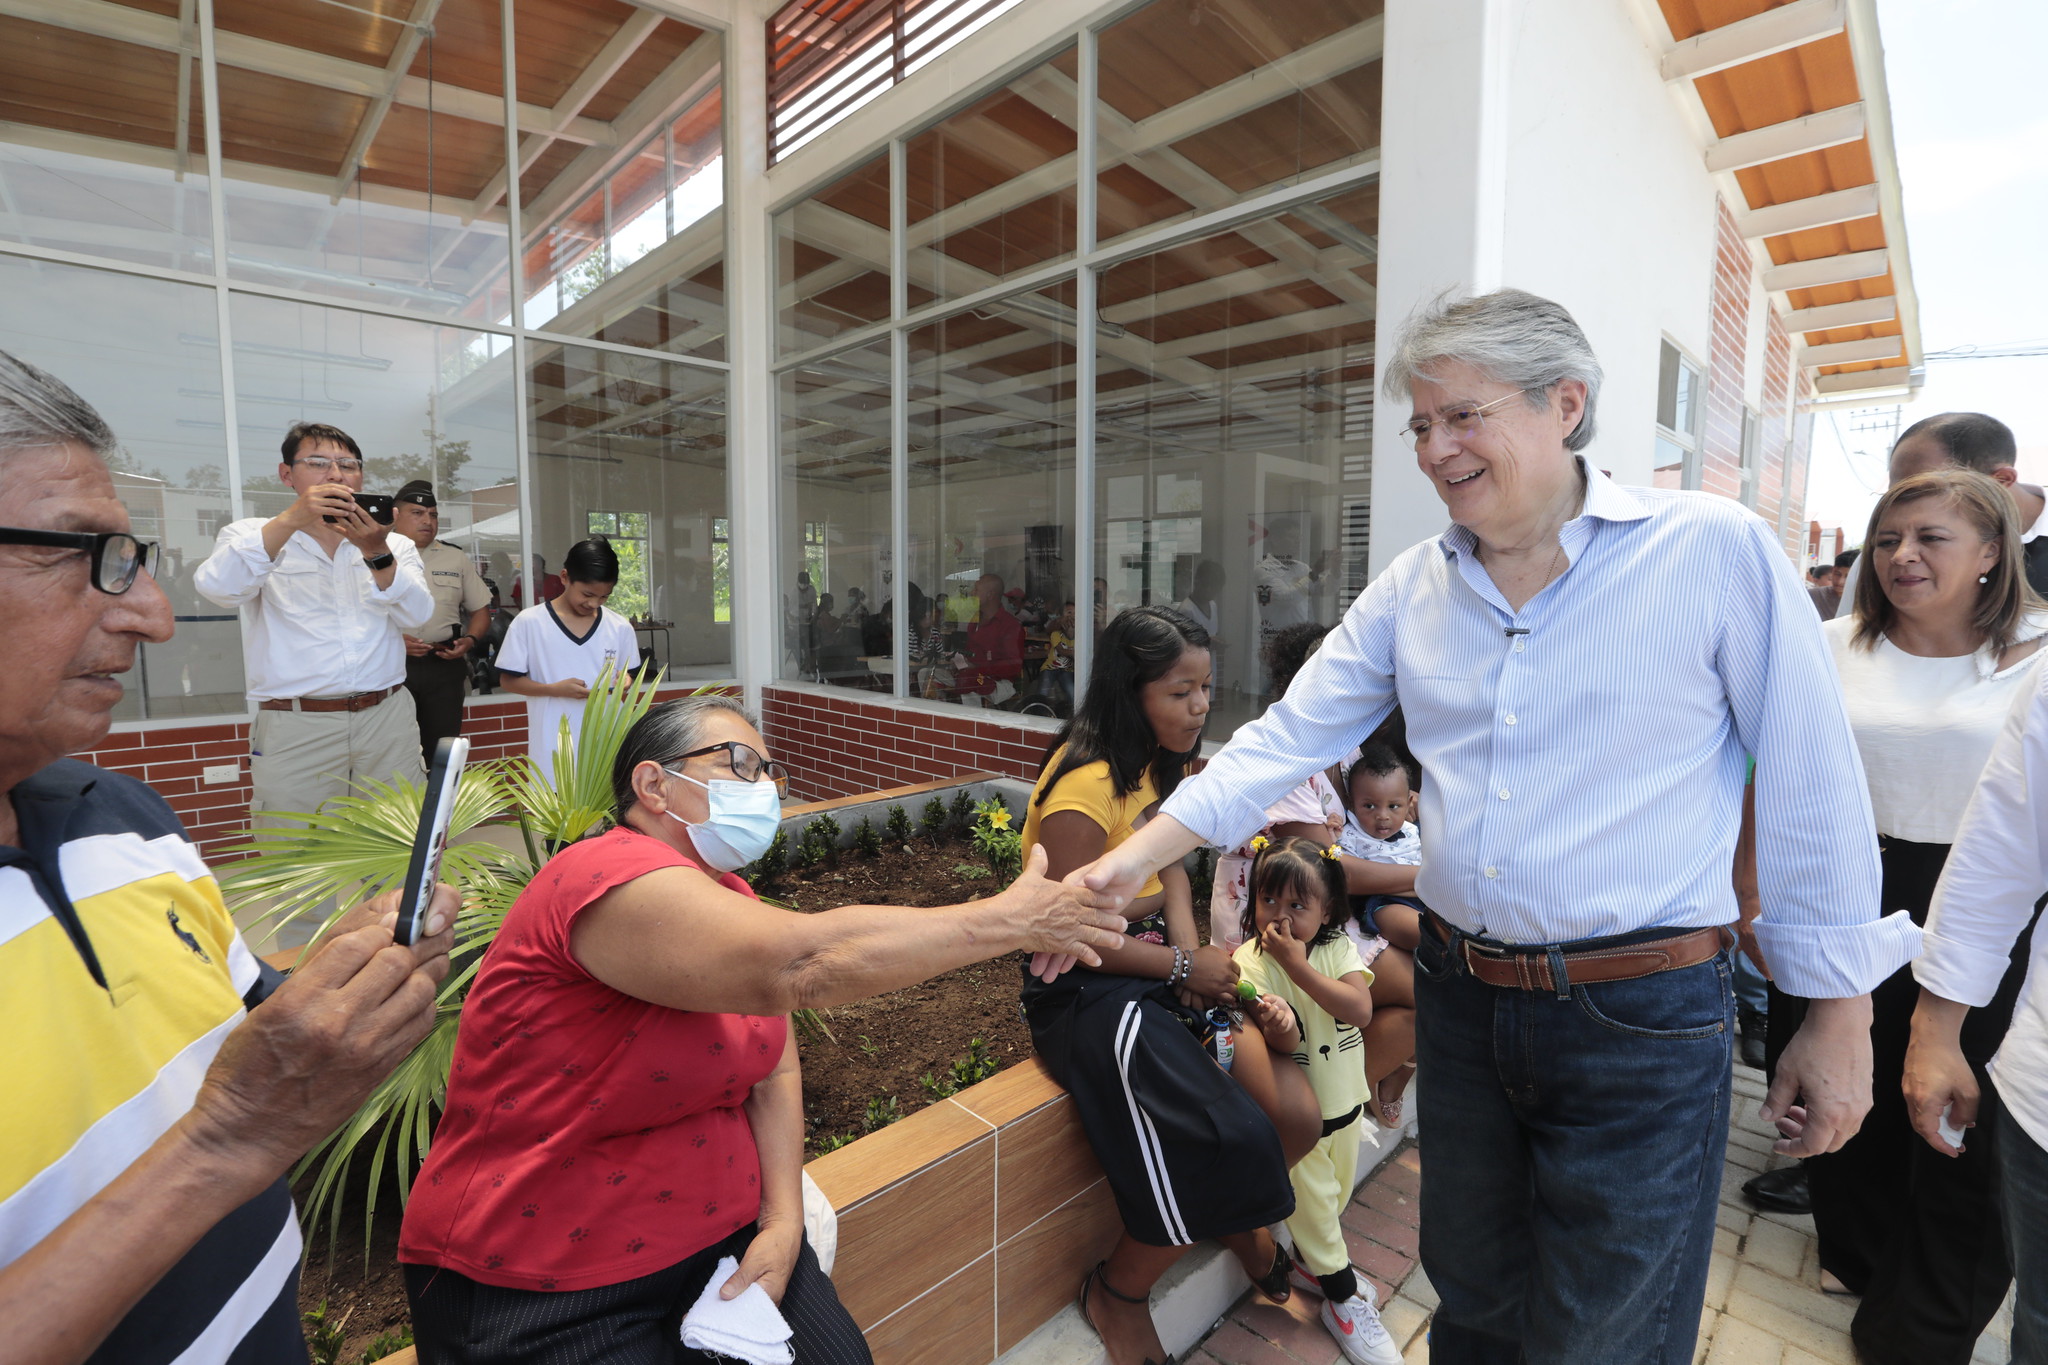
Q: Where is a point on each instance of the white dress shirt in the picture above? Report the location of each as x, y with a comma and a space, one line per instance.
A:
1995, 872
1924, 726
315, 626
1586, 778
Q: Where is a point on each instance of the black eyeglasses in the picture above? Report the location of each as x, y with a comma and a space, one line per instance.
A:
747, 764
117, 557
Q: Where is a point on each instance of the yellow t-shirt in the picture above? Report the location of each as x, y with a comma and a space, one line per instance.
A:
1333, 1053
1091, 790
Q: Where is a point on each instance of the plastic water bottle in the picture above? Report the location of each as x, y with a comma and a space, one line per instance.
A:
1222, 1042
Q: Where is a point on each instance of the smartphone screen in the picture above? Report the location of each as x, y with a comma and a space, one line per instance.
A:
430, 841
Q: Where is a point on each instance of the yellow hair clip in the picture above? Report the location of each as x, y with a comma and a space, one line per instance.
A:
1332, 853
1260, 843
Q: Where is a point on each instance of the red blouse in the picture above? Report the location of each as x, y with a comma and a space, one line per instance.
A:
589, 1137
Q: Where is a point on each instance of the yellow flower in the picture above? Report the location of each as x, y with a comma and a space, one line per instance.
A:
1259, 843
999, 819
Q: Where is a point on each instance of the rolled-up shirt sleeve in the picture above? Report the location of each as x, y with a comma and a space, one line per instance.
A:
1340, 696
1817, 864
409, 602
1998, 866
238, 567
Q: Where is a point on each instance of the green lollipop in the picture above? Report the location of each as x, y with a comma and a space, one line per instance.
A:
1247, 992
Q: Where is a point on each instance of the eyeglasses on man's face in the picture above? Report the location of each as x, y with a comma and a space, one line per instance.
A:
1460, 420
117, 558
330, 464
746, 763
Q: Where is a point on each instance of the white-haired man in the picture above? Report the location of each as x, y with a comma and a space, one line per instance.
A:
1584, 672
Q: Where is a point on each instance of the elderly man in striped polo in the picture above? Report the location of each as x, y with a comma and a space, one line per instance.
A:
159, 1081
1585, 671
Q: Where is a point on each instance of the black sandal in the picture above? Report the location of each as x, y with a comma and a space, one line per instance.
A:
1274, 1285
1096, 1276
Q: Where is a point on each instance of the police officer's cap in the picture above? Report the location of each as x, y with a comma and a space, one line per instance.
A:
418, 491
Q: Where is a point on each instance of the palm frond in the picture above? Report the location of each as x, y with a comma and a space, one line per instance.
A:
568, 803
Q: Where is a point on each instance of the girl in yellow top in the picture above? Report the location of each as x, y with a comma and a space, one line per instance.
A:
1296, 950
1128, 1041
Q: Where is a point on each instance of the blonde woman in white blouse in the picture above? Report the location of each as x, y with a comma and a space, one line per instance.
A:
1944, 636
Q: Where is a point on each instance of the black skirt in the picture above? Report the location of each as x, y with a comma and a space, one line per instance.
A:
1188, 1153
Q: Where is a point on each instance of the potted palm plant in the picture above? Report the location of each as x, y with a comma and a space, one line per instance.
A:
358, 846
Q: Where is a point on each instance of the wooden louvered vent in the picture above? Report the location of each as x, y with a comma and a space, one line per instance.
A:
827, 57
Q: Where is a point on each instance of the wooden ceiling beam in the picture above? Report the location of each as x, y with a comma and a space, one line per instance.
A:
686, 79
1746, 40
161, 32
617, 51
1849, 352
1813, 133
1826, 270
402, 54
1855, 313
1885, 377
1800, 215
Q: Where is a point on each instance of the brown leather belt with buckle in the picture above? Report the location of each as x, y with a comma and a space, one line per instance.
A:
1529, 969
357, 701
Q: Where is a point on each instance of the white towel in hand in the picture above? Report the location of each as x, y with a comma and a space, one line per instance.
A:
746, 1328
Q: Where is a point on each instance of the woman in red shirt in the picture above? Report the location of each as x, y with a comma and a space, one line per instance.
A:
625, 1108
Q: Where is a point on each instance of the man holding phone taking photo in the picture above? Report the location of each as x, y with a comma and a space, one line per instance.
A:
330, 592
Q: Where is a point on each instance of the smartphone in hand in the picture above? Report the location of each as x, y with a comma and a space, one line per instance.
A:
430, 841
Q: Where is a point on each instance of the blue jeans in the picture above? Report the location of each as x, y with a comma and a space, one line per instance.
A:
2023, 1197
1571, 1152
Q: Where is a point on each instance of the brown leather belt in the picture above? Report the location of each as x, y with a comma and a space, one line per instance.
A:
358, 701
1529, 969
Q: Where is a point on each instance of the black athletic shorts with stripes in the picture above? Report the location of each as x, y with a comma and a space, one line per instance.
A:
457, 1321
1188, 1153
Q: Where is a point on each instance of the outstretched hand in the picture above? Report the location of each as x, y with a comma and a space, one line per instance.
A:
1062, 921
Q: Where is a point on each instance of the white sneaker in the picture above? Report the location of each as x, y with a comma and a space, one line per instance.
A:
1360, 1334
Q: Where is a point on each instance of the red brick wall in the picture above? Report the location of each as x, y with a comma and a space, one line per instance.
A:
1727, 349
168, 757
837, 744
1782, 436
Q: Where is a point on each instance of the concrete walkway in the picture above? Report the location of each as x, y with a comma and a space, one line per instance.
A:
1763, 1306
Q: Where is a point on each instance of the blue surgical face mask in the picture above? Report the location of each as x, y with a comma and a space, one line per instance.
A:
740, 824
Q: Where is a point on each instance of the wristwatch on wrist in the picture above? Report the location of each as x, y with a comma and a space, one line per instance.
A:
374, 563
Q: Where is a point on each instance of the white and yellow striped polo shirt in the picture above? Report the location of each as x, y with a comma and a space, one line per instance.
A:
120, 975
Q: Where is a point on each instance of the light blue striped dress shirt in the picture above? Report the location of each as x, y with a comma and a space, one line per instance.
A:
1585, 779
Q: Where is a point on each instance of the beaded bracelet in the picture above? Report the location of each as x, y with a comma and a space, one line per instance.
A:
1178, 972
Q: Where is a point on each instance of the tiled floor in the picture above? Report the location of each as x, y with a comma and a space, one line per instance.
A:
1763, 1307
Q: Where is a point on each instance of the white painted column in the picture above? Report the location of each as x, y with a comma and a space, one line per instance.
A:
751, 461
1443, 186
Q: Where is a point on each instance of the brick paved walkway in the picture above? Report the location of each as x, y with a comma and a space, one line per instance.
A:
1764, 1305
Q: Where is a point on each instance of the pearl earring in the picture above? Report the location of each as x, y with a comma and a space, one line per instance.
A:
1983, 578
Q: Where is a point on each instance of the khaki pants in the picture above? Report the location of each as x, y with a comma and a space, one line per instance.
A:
300, 760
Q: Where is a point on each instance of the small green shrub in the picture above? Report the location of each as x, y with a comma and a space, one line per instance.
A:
819, 843
835, 1141
971, 872
999, 845
867, 838
323, 1338
391, 1343
898, 825
773, 863
881, 1113
975, 1067
932, 823
934, 1087
802, 855
826, 830
962, 813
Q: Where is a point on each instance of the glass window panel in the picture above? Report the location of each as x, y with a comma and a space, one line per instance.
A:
105, 151
991, 457
643, 440
990, 191
641, 261
363, 154
836, 608
832, 259
1202, 102
1234, 433
142, 351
